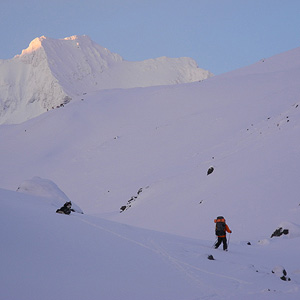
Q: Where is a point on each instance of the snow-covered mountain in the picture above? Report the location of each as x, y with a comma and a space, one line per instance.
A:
147, 150
50, 73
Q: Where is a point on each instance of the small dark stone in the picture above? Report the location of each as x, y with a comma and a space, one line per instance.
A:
284, 272
210, 170
283, 278
210, 257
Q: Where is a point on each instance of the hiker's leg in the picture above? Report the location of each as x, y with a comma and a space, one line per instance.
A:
224, 243
218, 242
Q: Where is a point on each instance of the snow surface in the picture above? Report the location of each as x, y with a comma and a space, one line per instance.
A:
47, 189
149, 149
50, 256
52, 72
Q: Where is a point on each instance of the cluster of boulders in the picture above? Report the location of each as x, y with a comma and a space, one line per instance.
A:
279, 232
129, 202
281, 273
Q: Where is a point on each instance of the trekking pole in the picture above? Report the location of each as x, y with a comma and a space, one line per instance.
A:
229, 239
215, 243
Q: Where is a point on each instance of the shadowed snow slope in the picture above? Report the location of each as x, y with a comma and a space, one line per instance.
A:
148, 149
50, 73
102, 150
49, 256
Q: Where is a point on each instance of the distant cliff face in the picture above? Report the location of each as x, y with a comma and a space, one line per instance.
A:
50, 73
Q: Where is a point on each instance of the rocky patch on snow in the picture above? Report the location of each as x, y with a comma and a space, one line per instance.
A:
131, 200
279, 232
280, 272
289, 229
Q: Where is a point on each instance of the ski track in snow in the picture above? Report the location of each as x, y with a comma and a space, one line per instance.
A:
187, 269
182, 264
118, 235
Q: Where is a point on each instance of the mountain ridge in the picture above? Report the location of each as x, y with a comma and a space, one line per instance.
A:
52, 72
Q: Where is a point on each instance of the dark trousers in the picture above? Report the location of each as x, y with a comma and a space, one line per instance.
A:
220, 241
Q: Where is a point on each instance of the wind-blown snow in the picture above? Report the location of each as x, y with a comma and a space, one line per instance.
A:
148, 149
47, 189
50, 73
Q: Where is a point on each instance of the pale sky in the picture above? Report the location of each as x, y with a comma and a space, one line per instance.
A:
221, 35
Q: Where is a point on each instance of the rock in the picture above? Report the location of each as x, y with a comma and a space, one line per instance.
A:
210, 170
122, 208
281, 273
279, 232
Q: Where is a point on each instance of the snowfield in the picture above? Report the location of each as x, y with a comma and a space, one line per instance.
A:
148, 150
50, 256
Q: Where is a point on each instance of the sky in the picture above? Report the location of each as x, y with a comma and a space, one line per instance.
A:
221, 35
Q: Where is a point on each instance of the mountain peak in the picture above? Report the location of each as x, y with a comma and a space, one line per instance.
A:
73, 37
38, 42
52, 72
33, 46
77, 37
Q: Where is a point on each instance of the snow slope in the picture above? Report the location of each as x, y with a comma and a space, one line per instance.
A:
103, 149
50, 256
152, 146
50, 73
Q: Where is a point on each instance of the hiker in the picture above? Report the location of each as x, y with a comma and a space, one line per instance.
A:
65, 209
221, 228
